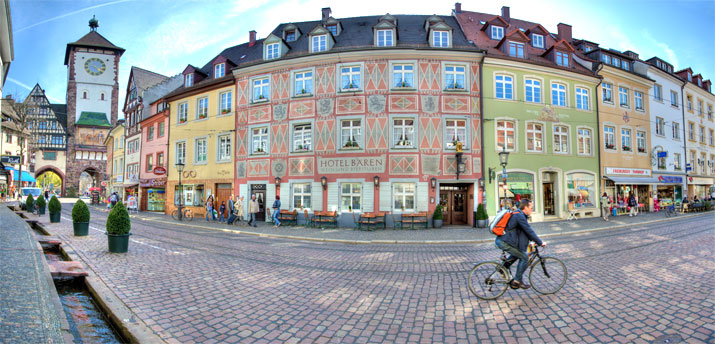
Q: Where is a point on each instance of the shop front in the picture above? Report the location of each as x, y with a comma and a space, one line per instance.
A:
699, 186
153, 194
519, 185
621, 182
668, 189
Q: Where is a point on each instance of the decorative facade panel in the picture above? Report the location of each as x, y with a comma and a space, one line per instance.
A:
404, 164
302, 109
350, 105
403, 103
258, 168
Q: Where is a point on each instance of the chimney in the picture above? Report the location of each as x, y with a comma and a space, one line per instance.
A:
458, 7
251, 38
564, 32
505, 14
326, 13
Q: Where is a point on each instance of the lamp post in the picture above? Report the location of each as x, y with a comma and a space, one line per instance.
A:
504, 160
180, 168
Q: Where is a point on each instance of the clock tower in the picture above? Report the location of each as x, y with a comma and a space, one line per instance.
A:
92, 105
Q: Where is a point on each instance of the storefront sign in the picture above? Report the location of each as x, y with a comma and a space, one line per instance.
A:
662, 154
150, 183
10, 159
670, 179
103, 183
628, 171
352, 165
702, 181
159, 170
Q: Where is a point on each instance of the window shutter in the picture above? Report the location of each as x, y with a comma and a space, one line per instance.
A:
385, 196
368, 196
422, 197
270, 197
333, 195
243, 191
316, 196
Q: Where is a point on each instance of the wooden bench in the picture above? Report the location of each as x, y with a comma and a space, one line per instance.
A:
288, 216
415, 218
325, 217
372, 219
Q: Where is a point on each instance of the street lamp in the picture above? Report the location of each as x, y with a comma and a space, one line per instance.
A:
504, 160
180, 168
278, 181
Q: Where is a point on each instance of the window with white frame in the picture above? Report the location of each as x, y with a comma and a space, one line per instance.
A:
623, 96
259, 140
712, 139
456, 130
607, 92
638, 100
676, 161
351, 196
273, 51
403, 133
658, 92
676, 130
516, 49
150, 134
606, 59
562, 59
691, 131
350, 77
201, 148
626, 139
261, 89
506, 135
225, 101
384, 38
202, 110
702, 134
440, 39
659, 126
350, 133
537, 41
674, 98
584, 141
690, 103
188, 80
224, 147
149, 162
454, 77
403, 195
219, 70
301, 195
561, 139
504, 87
558, 94
533, 90
303, 82
581, 98
180, 152
302, 137
710, 111
700, 107
534, 137
497, 32
183, 113
692, 161
403, 75
661, 160
320, 43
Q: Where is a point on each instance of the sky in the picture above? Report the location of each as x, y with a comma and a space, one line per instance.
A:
164, 36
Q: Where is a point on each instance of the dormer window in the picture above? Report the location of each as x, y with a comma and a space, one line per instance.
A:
625, 65
497, 32
332, 28
219, 70
537, 41
319, 43
690, 76
384, 38
700, 83
562, 59
290, 36
189, 80
516, 49
606, 59
587, 48
272, 51
441, 39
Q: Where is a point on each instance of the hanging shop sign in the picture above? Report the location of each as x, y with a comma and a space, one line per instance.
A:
628, 171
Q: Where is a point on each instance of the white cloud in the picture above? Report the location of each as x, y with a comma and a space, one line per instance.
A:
670, 55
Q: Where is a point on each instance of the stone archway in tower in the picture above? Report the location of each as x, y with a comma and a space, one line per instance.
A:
89, 178
50, 178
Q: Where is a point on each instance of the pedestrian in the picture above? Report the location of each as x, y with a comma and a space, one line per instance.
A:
253, 209
605, 206
210, 209
238, 210
633, 204
222, 212
276, 212
231, 217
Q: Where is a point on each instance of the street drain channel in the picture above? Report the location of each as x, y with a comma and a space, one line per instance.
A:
87, 322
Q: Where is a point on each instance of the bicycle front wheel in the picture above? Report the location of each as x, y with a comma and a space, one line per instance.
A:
488, 280
547, 275
188, 216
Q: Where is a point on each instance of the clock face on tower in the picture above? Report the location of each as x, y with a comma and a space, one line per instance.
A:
94, 66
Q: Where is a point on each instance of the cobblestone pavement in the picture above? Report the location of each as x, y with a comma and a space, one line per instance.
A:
628, 285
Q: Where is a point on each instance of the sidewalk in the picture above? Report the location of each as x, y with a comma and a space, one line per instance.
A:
445, 235
29, 303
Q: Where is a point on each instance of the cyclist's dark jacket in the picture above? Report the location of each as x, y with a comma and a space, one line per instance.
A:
518, 232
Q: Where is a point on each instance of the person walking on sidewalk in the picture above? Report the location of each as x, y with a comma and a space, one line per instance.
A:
253, 209
238, 210
210, 209
605, 206
222, 212
633, 203
516, 238
276, 211
231, 217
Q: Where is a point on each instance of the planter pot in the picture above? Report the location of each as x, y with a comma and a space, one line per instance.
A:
437, 223
55, 217
118, 243
482, 223
41, 211
81, 228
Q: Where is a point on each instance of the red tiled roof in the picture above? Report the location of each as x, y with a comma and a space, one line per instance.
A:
94, 40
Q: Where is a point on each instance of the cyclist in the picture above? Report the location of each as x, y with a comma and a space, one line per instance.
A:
517, 235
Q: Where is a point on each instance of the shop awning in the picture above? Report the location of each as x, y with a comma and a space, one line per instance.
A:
26, 177
634, 180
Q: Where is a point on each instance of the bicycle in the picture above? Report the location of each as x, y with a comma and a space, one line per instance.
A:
670, 211
490, 280
185, 215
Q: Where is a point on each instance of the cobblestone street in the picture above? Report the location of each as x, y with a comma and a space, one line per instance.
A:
188, 284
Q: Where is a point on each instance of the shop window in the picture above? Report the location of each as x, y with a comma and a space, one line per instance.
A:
351, 196
519, 185
403, 196
581, 189
191, 195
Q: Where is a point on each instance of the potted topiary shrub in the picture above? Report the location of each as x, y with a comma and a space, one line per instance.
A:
437, 217
80, 218
29, 203
482, 217
118, 227
41, 204
55, 208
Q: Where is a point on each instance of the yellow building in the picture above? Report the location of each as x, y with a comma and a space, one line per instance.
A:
201, 135
115, 159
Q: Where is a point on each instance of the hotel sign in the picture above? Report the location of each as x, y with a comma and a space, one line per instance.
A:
368, 164
628, 171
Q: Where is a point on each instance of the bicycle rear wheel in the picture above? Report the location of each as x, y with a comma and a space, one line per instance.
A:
188, 216
175, 215
488, 280
547, 275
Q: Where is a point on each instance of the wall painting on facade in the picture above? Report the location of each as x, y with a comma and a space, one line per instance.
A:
350, 105
325, 107
301, 166
430, 136
400, 103
279, 134
376, 134
429, 104
259, 114
429, 76
302, 109
456, 104
325, 80
258, 168
376, 77
404, 164
91, 136
325, 136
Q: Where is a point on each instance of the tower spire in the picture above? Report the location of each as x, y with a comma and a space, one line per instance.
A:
93, 23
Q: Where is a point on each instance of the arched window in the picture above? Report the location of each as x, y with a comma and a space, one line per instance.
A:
101, 97
84, 94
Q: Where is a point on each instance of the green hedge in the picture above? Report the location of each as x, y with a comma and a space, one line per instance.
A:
55, 205
29, 203
438, 213
80, 212
118, 222
482, 213
41, 202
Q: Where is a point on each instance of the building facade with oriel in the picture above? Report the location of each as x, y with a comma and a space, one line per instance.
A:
362, 115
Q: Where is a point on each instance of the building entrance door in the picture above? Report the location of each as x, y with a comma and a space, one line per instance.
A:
260, 191
223, 192
548, 198
454, 201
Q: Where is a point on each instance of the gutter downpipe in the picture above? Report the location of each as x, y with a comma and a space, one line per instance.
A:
598, 121
482, 196
685, 140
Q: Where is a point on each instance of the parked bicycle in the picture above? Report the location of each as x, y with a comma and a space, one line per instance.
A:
183, 214
489, 280
671, 211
